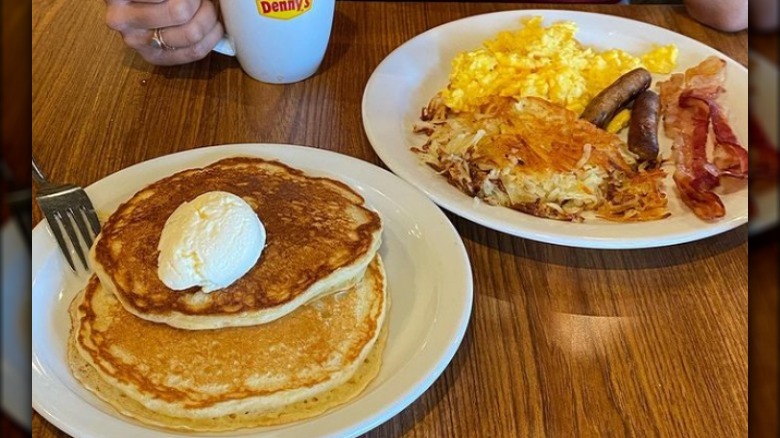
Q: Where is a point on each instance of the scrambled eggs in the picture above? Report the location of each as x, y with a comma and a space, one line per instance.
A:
546, 62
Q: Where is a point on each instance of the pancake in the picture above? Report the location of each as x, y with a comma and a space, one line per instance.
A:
320, 238
315, 358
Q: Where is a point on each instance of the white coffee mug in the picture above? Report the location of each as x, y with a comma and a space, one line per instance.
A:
277, 41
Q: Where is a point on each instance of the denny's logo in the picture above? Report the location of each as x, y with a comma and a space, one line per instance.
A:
283, 9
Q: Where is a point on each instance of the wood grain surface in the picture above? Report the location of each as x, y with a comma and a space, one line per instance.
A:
562, 341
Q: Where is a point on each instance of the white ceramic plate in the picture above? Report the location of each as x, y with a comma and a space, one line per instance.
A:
763, 77
16, 324
429, 284
405, 81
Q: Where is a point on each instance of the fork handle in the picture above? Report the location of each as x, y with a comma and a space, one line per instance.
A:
38, 175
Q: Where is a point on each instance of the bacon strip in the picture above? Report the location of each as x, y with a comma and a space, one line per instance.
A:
694, 176
704, 203
689, 105
670, 91
728, 156
708, 73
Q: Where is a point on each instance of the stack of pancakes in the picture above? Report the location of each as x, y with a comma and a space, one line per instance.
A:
301, 332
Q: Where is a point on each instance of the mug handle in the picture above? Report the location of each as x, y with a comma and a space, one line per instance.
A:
225, 46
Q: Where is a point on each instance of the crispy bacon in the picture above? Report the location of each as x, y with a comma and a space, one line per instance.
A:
704, 203
729, 156
709, 73
670, 91
691, 147
689, 105
704, 80
694, 175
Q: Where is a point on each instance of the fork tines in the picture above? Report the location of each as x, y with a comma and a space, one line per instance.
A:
64, 209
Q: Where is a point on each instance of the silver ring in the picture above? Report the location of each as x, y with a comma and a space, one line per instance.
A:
158, 42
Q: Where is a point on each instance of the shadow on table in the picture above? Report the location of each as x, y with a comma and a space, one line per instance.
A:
206, 68
342, 38
647, 258
404, 422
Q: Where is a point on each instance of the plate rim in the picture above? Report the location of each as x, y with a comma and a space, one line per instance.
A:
440, 360
451, 204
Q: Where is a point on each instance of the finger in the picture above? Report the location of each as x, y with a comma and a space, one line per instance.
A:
187, 54
181, 36
125, 16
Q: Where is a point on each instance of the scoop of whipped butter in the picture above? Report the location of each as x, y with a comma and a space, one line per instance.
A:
210, 242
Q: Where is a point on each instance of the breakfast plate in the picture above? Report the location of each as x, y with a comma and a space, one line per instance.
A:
763, 77
407, 79
16, 324
429, 287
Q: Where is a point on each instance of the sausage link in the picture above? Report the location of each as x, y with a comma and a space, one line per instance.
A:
603, 107
643, 128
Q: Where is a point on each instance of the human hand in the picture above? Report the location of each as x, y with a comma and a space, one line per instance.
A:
166, 32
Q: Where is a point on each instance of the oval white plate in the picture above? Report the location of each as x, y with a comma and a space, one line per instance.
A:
763, 76
405, 81
429, 284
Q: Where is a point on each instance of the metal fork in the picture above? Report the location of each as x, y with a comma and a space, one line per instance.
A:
63, 205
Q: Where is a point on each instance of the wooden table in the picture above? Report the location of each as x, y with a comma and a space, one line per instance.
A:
562, 341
